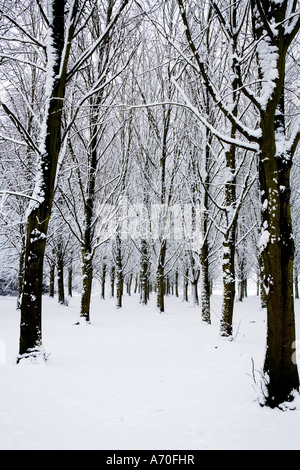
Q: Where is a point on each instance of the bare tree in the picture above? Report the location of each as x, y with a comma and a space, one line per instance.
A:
273, 27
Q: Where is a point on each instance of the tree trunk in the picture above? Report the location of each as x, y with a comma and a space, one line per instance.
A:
60, 275
112, 281
70, 278
39, 212
21, 273
103, 278
205, 284
136, 283
258, 285
176, 284
230, 198
119, 272
186, 286
129, 284
278, 257
87, 281
277, 245
296, 288
144, 273
195, 290
204, 261
52, 279
229, 288
160, 277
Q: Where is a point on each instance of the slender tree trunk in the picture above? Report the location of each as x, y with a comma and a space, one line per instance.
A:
176, 283
129, 284
144, 273
119, 272
21, 273
258, 285
87, 258
240, 291
52, 279
103, 278
230, 200
186, 286
136, 284
160, 277
112, 281
70, 277
87, 281
205, 284
228, 285
296, 287
60, 275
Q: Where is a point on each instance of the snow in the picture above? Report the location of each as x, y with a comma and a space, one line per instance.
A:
267, 57
136, 379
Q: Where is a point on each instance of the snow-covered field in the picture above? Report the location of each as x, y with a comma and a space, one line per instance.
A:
135, 379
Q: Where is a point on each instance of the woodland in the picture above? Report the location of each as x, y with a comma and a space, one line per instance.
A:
151, 147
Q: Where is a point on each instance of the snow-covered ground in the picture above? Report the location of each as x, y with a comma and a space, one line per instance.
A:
135, 379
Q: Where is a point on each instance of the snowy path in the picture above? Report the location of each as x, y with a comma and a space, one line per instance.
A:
135, 379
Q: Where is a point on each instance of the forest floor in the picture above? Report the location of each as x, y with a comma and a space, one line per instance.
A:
135, 379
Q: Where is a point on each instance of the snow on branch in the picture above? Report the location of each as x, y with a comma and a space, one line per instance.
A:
91, 49
19, 126
13, 193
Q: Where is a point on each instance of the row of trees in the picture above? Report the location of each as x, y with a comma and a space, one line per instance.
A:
157, 142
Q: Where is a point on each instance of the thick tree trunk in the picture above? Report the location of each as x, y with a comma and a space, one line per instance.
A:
277, 256
39, 212
277, 245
